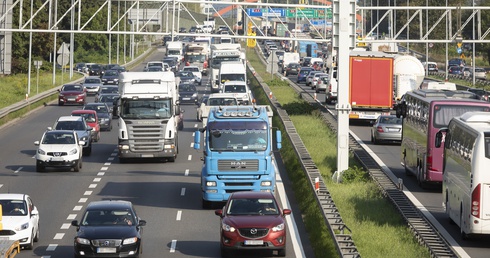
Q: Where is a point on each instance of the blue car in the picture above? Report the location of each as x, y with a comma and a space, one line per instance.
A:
303, 72
455, 70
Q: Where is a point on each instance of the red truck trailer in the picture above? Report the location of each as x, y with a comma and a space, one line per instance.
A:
371, 84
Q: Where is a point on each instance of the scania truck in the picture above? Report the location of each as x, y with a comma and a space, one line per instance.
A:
238, 152
148, 112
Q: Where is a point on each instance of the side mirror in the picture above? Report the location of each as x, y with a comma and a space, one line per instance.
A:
197, 140
219, 213
74, 223
36, 143
278, 139
142, 223
440, 135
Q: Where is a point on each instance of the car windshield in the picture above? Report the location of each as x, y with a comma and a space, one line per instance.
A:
110, 73
109, 90
185, 74
108, 98
90, 118
70, 125
187, 88
98, 109
92, 80
391, 120
72, 88
108, 218
13, 208
252, 206
191, 69
235, 88
58, 138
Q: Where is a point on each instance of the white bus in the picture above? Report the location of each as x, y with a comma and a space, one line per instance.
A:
466, 181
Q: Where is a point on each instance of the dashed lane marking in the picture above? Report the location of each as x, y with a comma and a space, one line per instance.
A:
173, 245
65, 226
19, 169
78, 208
59, 236
71, 217
189, 157
182, 191
87, 193
83, 200
186, 173
97, 179
104, 168
51, 247
92, 186
179, 215
100, 173
107, 164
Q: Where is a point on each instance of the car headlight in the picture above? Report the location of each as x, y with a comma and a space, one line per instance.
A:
61, 95
227, 227
211, 183
129, 241
194, 95
41, 151
266, 183
73, 151
279, 227
22, 227
104, 119
83, 241
84, 138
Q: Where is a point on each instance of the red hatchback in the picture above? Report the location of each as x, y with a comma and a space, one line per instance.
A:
91, 119
252, 221
72, 93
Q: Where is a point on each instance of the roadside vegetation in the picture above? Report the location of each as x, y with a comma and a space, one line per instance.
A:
377, 228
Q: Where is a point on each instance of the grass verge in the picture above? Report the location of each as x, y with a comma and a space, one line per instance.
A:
377, 228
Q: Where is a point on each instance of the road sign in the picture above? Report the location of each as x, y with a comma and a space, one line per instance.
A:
459, 50
64, 48
309, 13
63, 59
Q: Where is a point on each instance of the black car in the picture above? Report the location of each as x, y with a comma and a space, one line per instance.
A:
186, 76
108, 229
95, 70
187, 93
107, 98
103, 112
110, 77
172, 62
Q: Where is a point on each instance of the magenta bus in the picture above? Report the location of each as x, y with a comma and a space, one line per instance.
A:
424, 113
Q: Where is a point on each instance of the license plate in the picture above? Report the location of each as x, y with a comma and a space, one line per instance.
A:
147, 155
186, 98
393, 130
71, 99
109, 81
106, 250
254, 242
56, 159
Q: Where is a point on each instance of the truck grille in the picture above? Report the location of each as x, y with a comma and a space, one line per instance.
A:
238, 165
106, 242
253, 232
146, 138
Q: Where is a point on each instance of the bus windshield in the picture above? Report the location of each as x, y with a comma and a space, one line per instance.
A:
444, 113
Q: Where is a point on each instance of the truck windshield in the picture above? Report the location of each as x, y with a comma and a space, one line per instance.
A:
234, 140
196, 58
173, 52
146, 109
216, 62
232, 77
235, 89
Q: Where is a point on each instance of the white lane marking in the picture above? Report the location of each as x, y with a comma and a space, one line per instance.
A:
195, 125
87, 193
107, 164
192, 145
19, 169
182, 191
101, 174
172, 246
104, 168
92, 186
114, 154
457, 247
179, 215
193, 134
116, 150
111, 159
97, 179
59, 236
298, 249
46, 256
186, 173
65, 226
51, 247
190, 157
71, 216
77, 208
1, 186
83, 200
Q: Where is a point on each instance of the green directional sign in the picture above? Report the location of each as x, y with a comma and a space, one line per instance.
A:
309, 13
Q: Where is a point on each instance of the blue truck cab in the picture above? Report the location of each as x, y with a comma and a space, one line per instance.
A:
238, 152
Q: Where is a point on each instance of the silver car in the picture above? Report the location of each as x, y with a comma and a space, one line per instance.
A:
92, 84
479, 74
387, 128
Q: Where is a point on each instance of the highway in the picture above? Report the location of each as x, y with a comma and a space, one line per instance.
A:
166, 195
429, 200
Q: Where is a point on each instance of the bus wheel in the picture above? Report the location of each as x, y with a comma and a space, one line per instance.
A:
451, 221
420, 179
464, 236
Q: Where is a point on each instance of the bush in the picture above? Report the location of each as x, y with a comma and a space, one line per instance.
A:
355, 174
299, 108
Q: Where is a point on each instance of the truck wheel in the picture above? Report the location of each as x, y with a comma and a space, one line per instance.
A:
206, 204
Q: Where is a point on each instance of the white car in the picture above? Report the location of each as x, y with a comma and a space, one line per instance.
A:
196, 71
20, 219
59, 148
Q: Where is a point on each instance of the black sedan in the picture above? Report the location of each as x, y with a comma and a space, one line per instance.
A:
110, 77
187, 93
108, 229
103, 112
185, 76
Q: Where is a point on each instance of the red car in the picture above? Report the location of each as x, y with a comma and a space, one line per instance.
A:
72, 94
252, 221
91, 119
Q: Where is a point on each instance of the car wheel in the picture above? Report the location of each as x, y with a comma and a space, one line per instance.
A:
88, 151
281, 252
40, 168
375, 141
30, 245
36, 237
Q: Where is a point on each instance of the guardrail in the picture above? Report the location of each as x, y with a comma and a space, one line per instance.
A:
31, 100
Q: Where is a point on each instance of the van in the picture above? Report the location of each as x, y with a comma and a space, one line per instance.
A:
231, 71
332, 88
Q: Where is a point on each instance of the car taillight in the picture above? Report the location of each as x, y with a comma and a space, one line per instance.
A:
379, 129
475, 201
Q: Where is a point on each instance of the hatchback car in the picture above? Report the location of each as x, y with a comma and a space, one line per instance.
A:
59, 148
292, 69
95, 70
316, 78
110, 77
72, 94
195, 70
252, 221
386, 128
92, 84
185, 76
92, 120
20, 219
104, 113
309, 78
80, 126
187, 93
108, 229
108, 98
458, 70
303, 72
